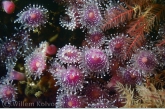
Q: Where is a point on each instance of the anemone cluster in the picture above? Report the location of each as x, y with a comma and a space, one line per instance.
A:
83, 53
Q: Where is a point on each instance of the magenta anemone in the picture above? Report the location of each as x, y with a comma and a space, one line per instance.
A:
68, 54
94, 60
69, 101
33, 17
